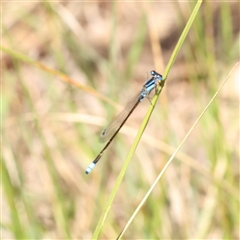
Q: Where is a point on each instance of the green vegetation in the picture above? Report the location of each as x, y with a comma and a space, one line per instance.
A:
66, 70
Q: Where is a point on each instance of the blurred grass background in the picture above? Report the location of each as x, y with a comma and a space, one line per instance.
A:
67, 67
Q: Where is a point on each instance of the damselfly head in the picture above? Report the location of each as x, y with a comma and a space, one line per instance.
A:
156, 75
153, 73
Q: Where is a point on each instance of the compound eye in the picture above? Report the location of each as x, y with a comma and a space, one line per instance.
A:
152, 72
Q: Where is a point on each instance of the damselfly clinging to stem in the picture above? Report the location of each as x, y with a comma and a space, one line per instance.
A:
110, 132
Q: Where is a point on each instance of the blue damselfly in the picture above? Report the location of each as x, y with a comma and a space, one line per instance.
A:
110, 132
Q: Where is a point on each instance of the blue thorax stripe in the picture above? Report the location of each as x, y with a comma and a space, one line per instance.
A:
150, 85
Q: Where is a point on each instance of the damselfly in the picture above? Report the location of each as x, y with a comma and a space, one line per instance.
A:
110, 132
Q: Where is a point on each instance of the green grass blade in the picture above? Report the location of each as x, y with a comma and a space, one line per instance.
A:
145, 122
11, 195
